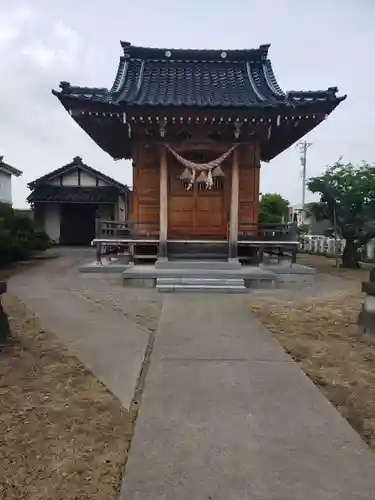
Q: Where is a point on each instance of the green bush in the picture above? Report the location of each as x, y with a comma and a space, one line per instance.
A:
19, 237
41, 241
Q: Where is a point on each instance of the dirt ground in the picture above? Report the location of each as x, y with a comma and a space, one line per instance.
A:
321, 334
63, 435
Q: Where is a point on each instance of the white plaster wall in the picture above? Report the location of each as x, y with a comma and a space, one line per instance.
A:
121, 209
52, 221
87, 179
70, 179
5, 188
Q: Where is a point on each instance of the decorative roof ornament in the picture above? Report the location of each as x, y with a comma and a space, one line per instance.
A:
77, 160
237, 128
162, 127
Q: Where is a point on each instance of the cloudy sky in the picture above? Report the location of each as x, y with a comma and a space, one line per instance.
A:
315, 44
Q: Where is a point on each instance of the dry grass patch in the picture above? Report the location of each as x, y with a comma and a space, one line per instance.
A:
63, 435
321, 334
327, 265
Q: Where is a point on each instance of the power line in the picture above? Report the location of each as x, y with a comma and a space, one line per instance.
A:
303, 147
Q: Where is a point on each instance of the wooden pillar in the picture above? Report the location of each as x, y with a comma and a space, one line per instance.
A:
234, 204
163, 222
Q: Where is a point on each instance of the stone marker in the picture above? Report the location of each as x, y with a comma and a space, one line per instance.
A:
366, 318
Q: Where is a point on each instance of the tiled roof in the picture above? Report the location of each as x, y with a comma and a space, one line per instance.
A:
9, 169
77, 163
240, 79
74, 194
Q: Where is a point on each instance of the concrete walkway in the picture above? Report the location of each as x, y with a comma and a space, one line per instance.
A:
99, 321
227, 415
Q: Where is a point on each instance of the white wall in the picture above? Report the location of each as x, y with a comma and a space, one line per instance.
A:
52, 221
70, 179
87, 179
5, 188
121, 209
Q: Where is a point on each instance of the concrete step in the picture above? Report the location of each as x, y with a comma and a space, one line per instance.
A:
198, 289
206, 265
217, 285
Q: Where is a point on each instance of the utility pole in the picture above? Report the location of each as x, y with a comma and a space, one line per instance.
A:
303, 147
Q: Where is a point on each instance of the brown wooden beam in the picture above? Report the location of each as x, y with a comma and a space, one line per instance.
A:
234, 204
163, 230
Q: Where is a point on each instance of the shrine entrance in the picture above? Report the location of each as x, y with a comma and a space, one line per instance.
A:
196, 212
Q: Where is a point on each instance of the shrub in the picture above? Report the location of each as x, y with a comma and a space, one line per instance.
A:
19, 237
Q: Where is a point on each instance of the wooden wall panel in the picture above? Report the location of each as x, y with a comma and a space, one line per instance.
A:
183, 211
146, 185
249, 186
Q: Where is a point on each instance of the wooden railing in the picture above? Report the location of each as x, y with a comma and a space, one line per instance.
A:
273, 239
267, 232
119, 230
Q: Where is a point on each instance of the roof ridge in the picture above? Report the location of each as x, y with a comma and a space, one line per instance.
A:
134, 52
77, 162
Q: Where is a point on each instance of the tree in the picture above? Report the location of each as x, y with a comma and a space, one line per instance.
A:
347, 199
272, 208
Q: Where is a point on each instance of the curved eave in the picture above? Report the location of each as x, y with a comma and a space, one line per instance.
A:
112, 137
285, 136
107, 129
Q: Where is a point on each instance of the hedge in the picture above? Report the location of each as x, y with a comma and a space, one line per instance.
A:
19, 237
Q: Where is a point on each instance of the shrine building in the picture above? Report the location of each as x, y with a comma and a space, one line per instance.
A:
196, 125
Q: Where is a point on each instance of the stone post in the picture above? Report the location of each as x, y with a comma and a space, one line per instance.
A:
366, 318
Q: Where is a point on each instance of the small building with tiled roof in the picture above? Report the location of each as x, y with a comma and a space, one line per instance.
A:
68, 201
197, 124
6, 173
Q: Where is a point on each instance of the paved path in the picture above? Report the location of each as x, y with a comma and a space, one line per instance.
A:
226, 414
105, 325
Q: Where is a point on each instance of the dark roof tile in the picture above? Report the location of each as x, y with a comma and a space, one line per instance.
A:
74, 194
8, 168
195, 78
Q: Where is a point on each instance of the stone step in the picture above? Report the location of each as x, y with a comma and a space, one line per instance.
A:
200, 289
217, 285
206, 265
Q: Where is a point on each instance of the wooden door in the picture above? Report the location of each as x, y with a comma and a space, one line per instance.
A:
210, 214
198, 213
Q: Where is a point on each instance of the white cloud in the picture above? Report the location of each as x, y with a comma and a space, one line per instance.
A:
40, 53
43, 42
13, 21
